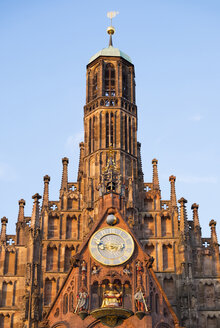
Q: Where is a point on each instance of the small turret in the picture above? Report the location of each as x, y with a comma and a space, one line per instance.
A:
214, 238
156, 185
21, 203
195, 207
64, 183
4, 222
46, 191
184, 228
35, 212
172, 180
197, 228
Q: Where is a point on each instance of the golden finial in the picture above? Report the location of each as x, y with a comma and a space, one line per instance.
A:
111, 29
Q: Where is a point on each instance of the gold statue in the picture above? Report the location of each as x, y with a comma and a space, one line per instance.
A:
111, 297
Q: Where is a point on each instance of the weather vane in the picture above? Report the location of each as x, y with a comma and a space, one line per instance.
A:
110, 29
112, 14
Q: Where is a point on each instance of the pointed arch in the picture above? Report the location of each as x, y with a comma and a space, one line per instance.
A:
109, 80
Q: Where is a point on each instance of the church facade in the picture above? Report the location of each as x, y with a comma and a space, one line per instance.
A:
110, 252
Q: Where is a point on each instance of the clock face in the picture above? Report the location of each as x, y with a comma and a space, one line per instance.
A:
111, 246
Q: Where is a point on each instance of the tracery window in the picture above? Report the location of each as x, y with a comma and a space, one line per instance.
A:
109, 80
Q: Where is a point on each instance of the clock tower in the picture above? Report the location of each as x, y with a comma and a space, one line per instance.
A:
111, 276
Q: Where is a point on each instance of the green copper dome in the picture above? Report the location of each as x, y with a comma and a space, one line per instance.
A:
110, 52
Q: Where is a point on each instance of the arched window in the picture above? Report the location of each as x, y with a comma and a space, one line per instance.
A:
126, 133
93, 134
151, 302
107, 129
95, 296
65, 303
2, 321
71, 299
90, 127
133, 135
109, 80
100, 130
129, 124
95, 84
47, 292
68, 255
115, 134
69, 227
156, 303
111, 128
121, 128
124, 83
51, 258
9, 262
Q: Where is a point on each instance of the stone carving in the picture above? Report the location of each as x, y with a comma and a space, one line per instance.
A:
127, 270
140, 302
95, 269
83, 301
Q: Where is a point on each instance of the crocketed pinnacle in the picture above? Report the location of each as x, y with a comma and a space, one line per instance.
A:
21, 203
195, 207
172, 180
35, 223
46, 190
214, 238
184, 228
64, 183
156, 185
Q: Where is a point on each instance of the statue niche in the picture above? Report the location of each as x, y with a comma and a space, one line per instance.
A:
112, 296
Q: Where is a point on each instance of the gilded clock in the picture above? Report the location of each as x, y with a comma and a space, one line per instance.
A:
111, 246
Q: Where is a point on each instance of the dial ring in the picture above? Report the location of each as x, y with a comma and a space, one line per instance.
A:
111, 246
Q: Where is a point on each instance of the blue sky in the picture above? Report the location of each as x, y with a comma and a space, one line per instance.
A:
175, 47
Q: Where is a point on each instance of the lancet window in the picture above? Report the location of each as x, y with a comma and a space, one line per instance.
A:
126, 133
107, 129
111, 128
95, 84
124, 83
129, 127
90, 127
65, 303
109, 80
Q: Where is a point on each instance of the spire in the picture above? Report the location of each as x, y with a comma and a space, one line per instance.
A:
214, 238
195, 207
46, 190
64, 182
111, 29
184, 228
21, 203
4, 222
156, 185
35, 212
172, 180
